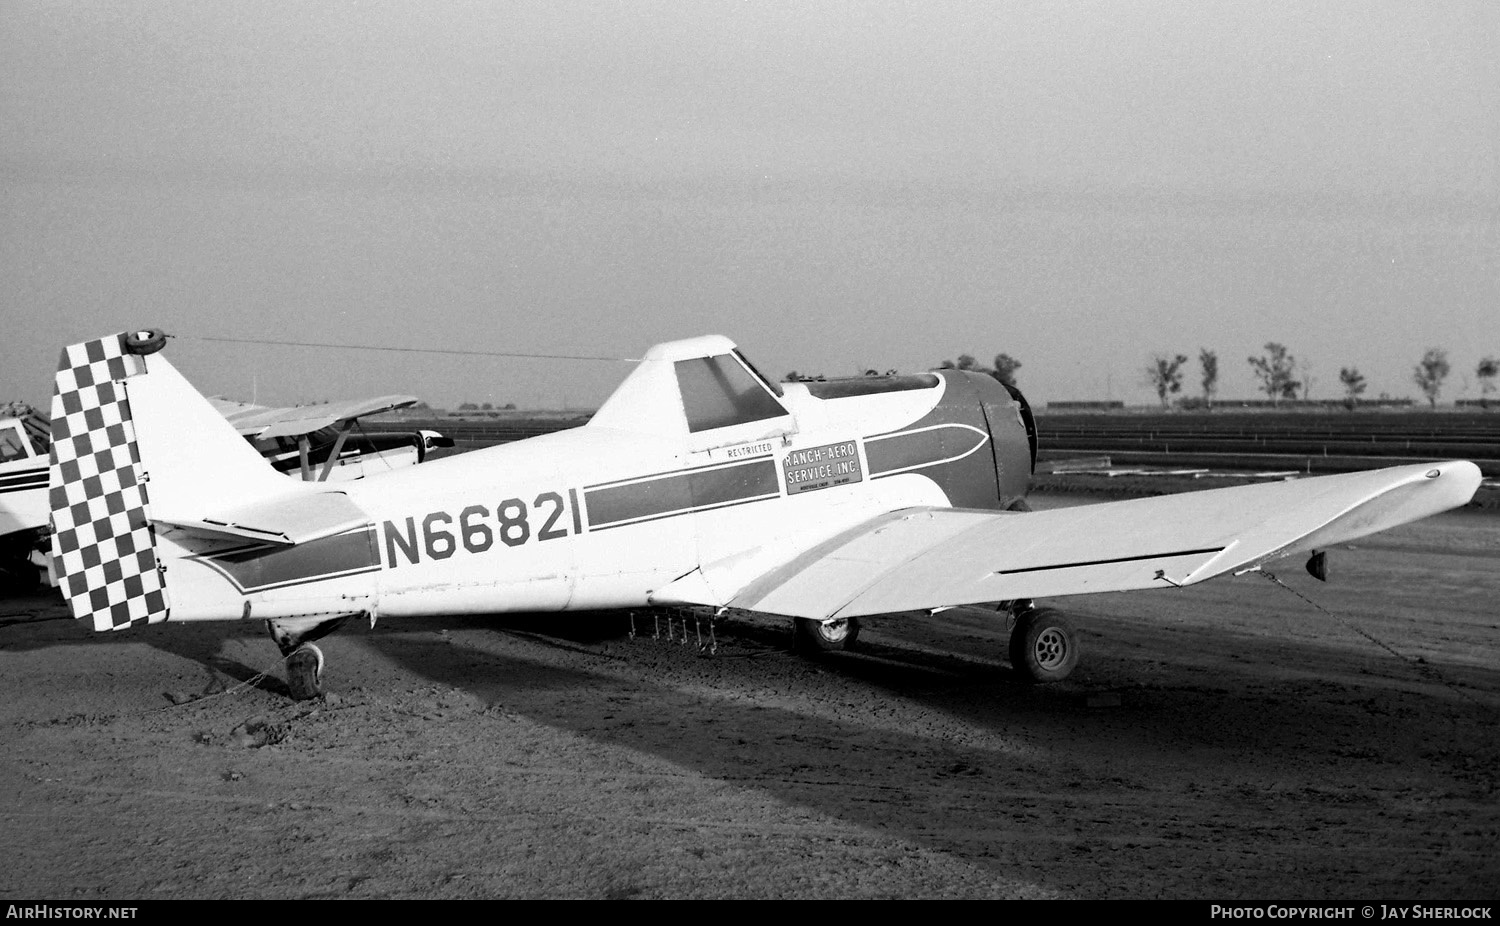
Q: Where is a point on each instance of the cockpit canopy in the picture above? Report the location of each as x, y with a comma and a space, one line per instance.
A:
24, 437
701, 389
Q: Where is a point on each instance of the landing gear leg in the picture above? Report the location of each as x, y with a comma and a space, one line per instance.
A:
1043, 645
304, 661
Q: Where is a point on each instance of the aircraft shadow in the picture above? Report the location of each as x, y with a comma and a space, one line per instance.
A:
992, 767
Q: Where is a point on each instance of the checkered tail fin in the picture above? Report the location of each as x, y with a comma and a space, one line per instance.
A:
135, 449
103, 544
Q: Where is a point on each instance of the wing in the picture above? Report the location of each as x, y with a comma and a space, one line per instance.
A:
261, 422
932, 557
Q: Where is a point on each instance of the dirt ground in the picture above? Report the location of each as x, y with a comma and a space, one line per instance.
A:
1229, 741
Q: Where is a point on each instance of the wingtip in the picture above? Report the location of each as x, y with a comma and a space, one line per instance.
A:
1463, 477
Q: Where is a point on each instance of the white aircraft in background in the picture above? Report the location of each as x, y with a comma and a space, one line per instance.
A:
697, 483
23, 498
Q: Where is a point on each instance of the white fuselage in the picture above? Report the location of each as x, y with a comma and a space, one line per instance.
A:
587, 518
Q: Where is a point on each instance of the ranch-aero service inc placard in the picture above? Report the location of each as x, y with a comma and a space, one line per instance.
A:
822, 467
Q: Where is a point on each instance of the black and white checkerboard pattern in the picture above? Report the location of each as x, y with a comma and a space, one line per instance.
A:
102, 541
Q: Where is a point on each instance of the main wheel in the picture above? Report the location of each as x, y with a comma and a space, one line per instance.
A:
304, 673
1043, 646
815, 636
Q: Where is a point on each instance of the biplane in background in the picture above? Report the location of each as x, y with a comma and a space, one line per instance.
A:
698, 483
325, 441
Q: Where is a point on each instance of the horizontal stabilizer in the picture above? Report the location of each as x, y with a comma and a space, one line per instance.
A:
932, 557
288, 520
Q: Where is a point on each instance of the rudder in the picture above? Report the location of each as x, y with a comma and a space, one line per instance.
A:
103, 544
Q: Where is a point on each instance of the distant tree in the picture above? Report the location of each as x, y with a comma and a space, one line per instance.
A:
1354, 384
468, 407
1209, 361
1005, 369
487, 407
1274, 369
1488, 370
1430, 372
1165, 376
1305, 370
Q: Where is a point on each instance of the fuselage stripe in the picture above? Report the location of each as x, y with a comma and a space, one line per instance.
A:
257, 567
23, 480
668, 474
905, 451
676, 514
681, 492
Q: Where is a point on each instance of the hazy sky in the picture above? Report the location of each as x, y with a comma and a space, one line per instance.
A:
833, 185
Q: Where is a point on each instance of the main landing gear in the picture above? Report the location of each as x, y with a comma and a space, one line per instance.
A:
304, 661
810, 635
1043, 645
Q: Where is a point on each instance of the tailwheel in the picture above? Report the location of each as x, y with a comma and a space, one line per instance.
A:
304, 673
1043, 645
814, 636
304, 662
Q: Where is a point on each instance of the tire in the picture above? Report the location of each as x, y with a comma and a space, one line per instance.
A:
304, 673
1043, 646
815, 636
145, 341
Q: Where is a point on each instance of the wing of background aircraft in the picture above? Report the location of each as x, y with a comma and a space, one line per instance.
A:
922, 558
260, 422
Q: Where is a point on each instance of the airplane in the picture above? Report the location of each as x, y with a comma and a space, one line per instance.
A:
312, 442
23, 497
699, 483
316, 441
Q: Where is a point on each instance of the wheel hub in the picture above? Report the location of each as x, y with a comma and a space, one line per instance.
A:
1051, 648
834, 631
